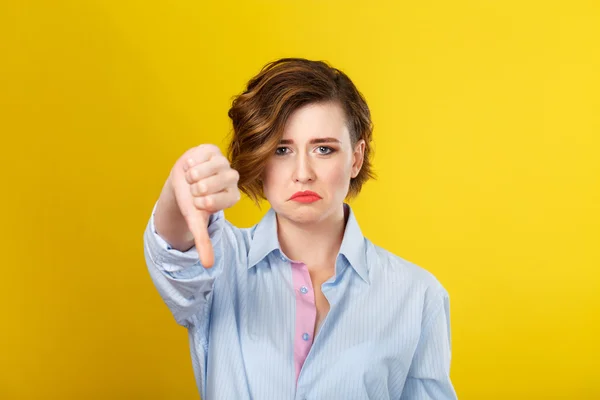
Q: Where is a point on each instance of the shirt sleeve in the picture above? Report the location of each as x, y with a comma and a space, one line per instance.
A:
181, 280
429, 374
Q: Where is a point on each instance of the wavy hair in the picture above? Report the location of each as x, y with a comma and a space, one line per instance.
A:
259, 115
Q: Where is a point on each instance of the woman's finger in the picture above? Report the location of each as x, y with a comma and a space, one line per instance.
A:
215, 183
205, 169
198, 226
218, 201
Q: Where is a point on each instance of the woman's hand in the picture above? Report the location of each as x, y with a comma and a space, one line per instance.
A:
203, 183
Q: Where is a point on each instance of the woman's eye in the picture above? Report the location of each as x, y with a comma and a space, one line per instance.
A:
280, 151
324, 150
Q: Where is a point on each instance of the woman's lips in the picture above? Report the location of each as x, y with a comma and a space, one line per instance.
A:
305, 197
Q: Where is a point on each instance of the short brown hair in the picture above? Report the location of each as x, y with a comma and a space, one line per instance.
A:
259, 115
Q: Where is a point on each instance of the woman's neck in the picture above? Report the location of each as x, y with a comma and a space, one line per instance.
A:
316, 245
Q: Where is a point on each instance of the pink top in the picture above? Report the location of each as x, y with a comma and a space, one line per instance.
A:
306, 313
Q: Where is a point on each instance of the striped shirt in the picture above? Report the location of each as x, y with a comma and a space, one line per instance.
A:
250, 318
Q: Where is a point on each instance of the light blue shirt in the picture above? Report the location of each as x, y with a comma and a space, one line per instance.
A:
386, 336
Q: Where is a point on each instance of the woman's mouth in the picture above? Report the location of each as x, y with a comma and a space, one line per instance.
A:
306, 196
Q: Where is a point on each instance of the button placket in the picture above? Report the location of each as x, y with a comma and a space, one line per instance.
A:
305, 313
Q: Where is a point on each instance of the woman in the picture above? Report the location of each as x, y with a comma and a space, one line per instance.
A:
301, 305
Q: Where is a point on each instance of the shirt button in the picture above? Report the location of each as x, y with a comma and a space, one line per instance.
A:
303, 290
305, 336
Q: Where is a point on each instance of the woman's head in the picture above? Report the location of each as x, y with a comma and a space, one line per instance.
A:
280, 124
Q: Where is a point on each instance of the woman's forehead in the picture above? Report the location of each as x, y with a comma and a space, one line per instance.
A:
316, 121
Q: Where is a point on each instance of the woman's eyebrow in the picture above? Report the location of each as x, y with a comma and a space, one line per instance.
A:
313, 141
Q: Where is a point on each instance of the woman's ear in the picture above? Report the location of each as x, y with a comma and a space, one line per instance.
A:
358, 156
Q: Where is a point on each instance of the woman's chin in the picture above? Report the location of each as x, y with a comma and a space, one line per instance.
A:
303, 213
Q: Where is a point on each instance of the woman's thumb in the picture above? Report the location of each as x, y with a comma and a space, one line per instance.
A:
198, 225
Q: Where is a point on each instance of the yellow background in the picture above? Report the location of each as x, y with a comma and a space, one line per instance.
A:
487, 124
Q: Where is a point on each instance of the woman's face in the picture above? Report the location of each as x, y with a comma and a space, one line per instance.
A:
315, 154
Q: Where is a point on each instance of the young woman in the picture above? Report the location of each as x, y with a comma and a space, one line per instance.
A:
301, 305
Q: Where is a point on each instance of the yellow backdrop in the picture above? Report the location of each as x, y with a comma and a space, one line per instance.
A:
487, 124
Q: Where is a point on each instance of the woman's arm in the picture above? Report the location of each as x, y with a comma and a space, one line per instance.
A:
180, 278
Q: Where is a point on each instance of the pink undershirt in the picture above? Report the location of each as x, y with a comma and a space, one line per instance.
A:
306, 314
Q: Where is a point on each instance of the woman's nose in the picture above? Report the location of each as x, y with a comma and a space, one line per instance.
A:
303, 170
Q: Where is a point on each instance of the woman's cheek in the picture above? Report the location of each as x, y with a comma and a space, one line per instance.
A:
338, 174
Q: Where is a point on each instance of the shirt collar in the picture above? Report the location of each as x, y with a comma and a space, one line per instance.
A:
353, 248
264, 240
